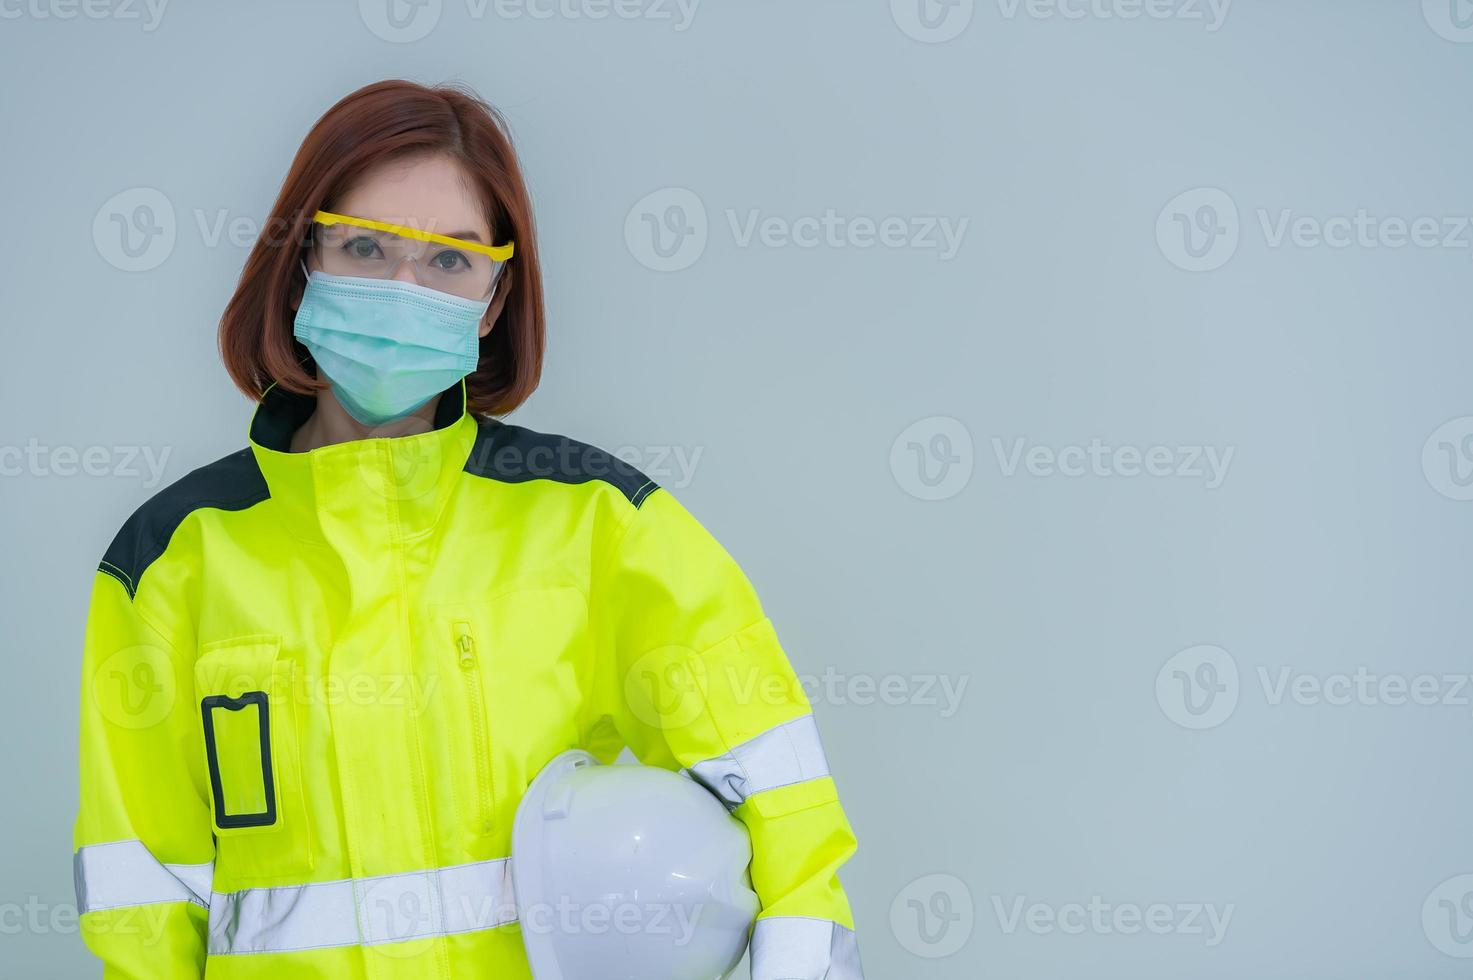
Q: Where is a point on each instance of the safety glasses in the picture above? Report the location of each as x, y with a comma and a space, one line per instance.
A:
347, 246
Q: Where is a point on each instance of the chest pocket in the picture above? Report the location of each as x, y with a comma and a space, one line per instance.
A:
244, 689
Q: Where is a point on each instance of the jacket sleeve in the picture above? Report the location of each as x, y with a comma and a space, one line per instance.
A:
702, 684
144, 852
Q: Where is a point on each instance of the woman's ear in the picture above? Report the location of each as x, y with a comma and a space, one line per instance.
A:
498, 303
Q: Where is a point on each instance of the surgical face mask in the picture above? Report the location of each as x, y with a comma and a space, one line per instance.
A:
387, 347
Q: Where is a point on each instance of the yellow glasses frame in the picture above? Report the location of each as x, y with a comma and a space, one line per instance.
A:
498, 252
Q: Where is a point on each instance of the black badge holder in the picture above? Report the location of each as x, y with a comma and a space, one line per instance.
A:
208, 706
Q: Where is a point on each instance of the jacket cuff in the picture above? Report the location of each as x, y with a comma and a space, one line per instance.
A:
796, 948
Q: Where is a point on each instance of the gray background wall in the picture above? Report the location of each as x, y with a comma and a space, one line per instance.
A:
979, 466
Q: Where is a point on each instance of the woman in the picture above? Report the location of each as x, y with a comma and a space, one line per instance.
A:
321, 671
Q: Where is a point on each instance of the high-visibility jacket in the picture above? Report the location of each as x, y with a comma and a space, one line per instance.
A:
317, 684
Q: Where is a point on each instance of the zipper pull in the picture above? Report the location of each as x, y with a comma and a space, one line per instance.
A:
465, 644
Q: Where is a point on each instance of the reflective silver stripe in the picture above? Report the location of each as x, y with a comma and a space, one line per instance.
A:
789, 753
793, 948
125, 873
363, 911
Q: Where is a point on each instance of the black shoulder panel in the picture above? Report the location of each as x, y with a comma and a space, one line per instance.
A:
233, 482
513, 454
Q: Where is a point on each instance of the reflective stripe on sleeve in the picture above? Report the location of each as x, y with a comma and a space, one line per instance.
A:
790, 753
794, 948
363, 911
125, 873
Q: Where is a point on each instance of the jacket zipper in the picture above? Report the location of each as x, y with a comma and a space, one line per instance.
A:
470, 672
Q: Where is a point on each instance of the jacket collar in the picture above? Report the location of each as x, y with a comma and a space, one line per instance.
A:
396, 485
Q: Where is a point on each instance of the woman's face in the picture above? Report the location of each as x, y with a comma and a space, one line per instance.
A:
430, 193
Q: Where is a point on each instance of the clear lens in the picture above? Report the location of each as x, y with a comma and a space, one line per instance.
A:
345, 250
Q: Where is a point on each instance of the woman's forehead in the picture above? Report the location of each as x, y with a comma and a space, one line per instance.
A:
431, 193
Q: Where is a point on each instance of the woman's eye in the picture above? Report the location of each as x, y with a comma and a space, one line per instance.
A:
449, 261
362, 248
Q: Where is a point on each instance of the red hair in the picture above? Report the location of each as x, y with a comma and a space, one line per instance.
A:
377, 123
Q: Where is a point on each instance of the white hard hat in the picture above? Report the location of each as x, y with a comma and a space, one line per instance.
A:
629, 873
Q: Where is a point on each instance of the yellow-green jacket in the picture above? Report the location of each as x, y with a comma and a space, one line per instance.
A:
317, 684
